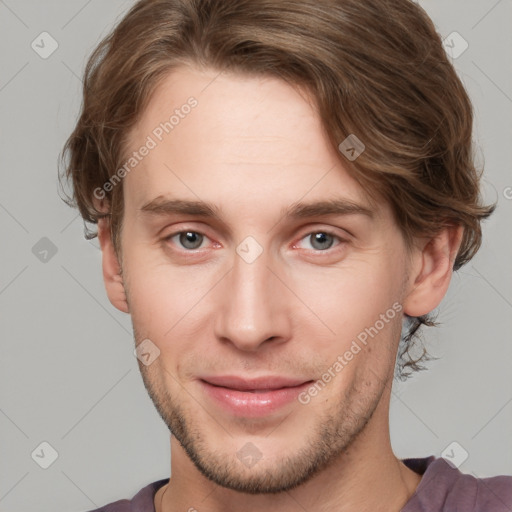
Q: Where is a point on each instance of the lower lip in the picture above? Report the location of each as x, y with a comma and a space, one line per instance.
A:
252, 405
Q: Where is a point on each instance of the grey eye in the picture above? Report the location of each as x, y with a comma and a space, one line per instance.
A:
321, 240
190, 239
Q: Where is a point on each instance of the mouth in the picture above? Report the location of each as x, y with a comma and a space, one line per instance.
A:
259, 384
246, 398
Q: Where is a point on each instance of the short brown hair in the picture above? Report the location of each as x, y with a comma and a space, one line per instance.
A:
376, 69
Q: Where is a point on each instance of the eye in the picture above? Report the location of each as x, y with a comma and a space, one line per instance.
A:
321, 240
189, 240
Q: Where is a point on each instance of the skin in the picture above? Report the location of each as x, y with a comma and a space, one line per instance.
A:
254, 146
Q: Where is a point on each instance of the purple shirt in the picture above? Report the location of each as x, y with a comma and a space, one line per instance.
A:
442, 488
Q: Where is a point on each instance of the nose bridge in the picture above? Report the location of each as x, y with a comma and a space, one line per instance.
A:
252, 308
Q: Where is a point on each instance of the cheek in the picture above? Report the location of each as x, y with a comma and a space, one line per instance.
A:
148, 289
357, 316
332, 305
349, 298
164, 299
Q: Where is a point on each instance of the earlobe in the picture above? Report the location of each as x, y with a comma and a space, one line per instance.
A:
112, 276
432, 272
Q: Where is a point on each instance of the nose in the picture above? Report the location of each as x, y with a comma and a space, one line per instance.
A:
252, 307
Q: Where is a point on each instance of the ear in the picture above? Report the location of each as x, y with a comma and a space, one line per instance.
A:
432, 269
111, 269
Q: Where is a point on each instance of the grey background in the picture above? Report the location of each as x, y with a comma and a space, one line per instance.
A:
67, 370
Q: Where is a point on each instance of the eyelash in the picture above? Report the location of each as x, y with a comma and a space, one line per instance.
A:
309, 234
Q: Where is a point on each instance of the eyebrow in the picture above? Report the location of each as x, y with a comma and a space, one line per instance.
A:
164, 206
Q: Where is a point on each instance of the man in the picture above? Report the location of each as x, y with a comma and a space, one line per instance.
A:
279, 186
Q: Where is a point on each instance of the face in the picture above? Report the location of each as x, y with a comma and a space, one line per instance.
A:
257, 284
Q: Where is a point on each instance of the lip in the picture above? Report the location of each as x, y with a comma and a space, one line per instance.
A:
252, 398
270, 382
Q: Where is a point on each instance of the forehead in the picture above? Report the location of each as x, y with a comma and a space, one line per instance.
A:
216, 135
